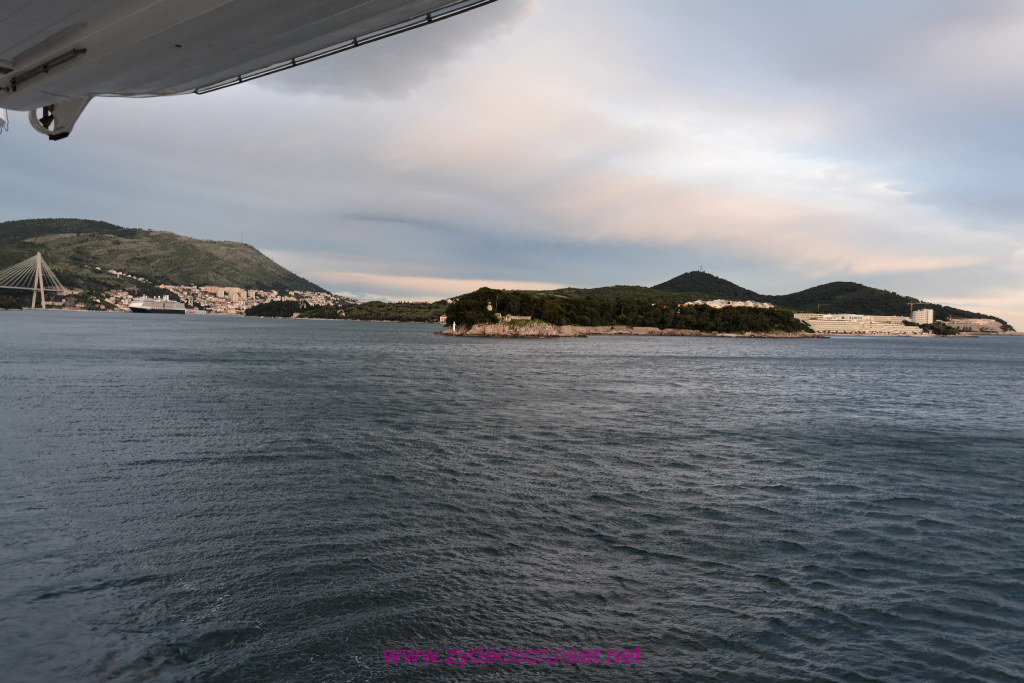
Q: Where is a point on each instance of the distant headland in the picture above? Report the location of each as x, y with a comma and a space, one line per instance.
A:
106, 265
661, 310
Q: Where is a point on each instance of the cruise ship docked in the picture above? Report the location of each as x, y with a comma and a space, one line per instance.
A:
145, 304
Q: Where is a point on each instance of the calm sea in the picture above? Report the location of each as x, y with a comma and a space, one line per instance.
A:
209, 498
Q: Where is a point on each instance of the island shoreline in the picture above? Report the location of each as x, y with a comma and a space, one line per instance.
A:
535, 329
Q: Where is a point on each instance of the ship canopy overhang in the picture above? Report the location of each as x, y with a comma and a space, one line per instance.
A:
65, 50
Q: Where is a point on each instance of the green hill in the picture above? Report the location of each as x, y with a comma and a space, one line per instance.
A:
620, 292
834, 297
851, 297
710, 286
81, 252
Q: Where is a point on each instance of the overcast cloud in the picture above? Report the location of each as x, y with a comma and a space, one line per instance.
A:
586, 142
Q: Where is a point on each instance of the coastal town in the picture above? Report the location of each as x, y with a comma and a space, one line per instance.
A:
214, 300
202, 300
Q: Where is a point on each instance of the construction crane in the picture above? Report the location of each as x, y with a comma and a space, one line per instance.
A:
916, 303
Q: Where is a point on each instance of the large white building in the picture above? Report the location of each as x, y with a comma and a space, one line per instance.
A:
923, 316
852, 323
975, 324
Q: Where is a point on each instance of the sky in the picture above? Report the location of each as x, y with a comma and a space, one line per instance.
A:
542, 143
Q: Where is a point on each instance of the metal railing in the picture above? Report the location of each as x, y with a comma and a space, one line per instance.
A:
358, 41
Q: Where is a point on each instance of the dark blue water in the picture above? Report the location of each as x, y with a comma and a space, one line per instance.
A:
201, 498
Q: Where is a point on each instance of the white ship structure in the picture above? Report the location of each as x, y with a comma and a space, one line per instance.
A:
145, 304
56, 56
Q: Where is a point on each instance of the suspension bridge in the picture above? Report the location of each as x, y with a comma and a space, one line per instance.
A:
32, 274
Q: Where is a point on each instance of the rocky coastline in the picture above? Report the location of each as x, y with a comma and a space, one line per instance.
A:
535, 329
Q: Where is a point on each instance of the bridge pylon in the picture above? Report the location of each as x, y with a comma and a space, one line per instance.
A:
32, 274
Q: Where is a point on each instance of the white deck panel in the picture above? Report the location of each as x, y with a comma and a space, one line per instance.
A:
163, 47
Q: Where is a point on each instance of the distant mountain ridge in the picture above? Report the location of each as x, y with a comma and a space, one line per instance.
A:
834, 297
76, 248
82, 251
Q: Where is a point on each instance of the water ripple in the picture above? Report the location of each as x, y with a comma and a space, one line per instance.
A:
272, 500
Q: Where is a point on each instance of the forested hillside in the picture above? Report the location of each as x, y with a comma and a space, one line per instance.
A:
834, 297
82, 251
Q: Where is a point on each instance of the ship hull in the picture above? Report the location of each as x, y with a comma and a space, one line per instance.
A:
134, 309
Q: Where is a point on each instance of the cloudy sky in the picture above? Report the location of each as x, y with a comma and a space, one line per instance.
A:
540, 143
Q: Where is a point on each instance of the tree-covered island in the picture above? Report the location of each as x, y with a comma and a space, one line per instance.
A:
514, 307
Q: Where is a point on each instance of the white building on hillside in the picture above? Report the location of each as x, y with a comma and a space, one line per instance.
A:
923, 316
723, 303
975, 324
852, 323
